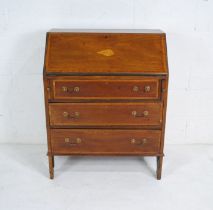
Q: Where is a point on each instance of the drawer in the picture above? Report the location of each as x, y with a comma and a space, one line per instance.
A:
105, 114
92, 141
105, 89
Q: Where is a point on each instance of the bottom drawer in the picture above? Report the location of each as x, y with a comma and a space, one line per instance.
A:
92, 141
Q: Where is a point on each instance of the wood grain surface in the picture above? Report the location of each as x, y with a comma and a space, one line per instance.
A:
69, 53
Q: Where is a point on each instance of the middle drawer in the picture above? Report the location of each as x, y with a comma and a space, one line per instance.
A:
105, 114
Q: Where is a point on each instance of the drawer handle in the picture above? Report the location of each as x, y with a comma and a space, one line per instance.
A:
73, 142
135, 88
67, 115
64, 89
75, 89
135, 114
139, 142
147, 88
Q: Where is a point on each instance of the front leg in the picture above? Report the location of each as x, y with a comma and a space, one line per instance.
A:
159, 166
51, 166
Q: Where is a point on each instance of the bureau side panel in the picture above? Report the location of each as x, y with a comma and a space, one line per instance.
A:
46, 97
164, 101
164, 95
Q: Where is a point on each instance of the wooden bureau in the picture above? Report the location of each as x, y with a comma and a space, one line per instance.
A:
105, 93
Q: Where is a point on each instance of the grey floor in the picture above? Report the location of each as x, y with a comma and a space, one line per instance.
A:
106, 183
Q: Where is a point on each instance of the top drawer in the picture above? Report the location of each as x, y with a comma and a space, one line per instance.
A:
105, 89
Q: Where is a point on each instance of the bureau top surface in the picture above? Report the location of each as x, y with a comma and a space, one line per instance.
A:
105, 52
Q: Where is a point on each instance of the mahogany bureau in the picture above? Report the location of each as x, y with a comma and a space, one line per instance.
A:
105, 93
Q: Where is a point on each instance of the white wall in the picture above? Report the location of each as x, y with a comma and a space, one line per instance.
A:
189, 28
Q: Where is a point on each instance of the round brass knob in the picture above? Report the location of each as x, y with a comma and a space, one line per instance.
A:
76, 89
147, 88
65, 114
64, 89
134, 113
145, 113
78, 140
133, 141
135, 88
76, 114
67, 140
144, 141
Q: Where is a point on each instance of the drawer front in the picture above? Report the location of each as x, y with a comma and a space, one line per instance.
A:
108, 89
105, 114
84, 141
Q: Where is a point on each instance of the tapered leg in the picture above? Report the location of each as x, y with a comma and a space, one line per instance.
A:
53, 161
159, 166
51, 166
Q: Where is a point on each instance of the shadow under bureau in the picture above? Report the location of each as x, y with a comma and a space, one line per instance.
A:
105, 93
